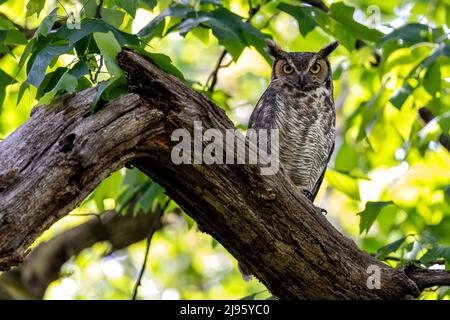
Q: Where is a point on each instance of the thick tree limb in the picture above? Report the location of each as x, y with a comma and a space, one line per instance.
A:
42, 266
55, 159
425, 278
58, 157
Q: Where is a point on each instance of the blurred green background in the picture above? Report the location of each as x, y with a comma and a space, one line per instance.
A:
388, 184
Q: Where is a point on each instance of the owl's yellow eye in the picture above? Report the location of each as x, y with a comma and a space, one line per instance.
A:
315, 68
288, 69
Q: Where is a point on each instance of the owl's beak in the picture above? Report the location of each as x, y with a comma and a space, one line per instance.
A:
302, 80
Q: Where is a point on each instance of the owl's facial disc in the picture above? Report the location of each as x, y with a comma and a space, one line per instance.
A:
306, 74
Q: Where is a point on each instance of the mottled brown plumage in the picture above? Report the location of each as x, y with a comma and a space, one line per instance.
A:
299, 102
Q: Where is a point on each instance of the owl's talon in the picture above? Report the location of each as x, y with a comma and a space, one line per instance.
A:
324, 211
308, 194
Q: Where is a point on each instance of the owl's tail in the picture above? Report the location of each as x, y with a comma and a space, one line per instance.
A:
246, 274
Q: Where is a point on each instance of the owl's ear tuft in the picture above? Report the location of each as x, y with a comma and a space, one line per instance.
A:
328, 49
274, 49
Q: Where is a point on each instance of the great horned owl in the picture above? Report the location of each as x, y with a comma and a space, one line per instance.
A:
299, 103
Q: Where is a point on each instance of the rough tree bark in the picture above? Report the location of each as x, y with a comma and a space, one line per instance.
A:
58, 157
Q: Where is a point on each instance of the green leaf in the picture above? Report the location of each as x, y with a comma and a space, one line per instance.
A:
354, 173
15, 37
79, 69
435, 253
148, 199
150, 3
83, 83
399, 97
5, 80
42, 30
47, 23
41, 60
117, 86
177, 10
441, 231
202, 34
23, 87
109, 90
109, 48
191, 23
5, 23
50, 81
89, 26
113, 17
129, 6
90, 9
107, 189
344, 183
136, 182
346, 158
252, 296
97, 99
308, 16
447, 193
134, 177
162, 61
383, 252
432, 79
67, 83
234, 34
3, 34
34, 6
409, 35
370, 214
306, 22
214, 2
412, 33
344, 14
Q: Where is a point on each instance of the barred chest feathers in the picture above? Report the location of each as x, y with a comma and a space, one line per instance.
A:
306, 123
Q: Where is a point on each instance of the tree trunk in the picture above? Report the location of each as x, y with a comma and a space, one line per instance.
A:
59, 156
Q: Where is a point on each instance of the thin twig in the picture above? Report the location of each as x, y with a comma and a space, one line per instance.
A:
214, 74
97, 215
266, 24
63, 8
155, 227
84, 5
427, 116
98, 14
213, 77
391, 258
100, 66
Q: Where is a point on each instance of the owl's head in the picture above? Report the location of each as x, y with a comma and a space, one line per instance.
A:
305, 70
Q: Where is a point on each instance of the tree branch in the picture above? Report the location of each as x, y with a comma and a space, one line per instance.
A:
427, 116
159, 213
58, 157
425, 278
31, 279
62, 152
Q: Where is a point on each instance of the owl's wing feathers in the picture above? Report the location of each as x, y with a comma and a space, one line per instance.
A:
320, 180
263, 116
